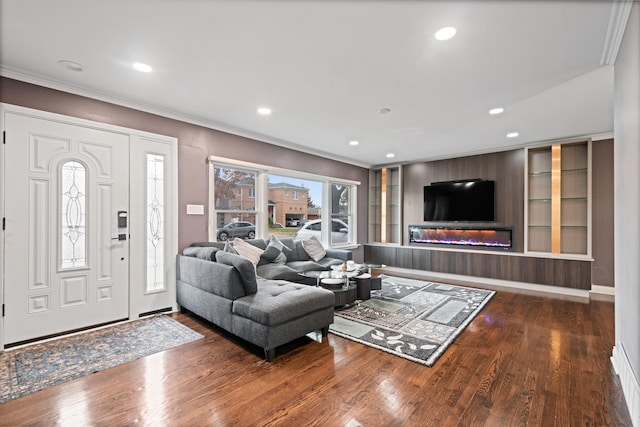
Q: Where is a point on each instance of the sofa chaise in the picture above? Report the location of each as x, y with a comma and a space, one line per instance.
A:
223, 288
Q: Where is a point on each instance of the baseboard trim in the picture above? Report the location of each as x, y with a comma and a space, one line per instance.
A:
603, 290
630, 385
495, 284
602, 293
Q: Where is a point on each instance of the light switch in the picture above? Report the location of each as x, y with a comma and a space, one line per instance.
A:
195, 209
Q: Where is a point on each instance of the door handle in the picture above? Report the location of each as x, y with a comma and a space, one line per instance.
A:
122, 236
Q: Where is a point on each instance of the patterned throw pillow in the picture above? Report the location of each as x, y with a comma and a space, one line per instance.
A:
247, 250
228, 247
274, 253
313, 247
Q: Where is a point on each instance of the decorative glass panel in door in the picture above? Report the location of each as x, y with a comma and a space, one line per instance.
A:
73, 204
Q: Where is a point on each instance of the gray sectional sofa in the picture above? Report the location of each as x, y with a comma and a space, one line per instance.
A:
297, 260
267, 311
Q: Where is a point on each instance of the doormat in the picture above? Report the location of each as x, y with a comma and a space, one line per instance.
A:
38, 366
413, 319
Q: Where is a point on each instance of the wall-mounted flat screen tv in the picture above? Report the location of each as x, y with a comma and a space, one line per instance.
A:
469, 200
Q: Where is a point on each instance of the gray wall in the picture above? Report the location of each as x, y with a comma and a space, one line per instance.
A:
627, 192
195, 145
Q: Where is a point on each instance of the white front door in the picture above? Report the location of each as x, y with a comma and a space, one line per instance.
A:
65, 187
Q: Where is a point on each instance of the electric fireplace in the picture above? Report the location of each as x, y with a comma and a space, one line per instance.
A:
497, 238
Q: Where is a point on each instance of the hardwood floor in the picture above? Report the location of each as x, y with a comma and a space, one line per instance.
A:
524, 360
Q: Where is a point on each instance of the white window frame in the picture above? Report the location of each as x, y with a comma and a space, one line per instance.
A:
262, 199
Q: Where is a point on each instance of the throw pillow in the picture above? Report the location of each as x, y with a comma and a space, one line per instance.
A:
247, 250
313, 247
243, 266
228, 247
274, 251
280, 259
208, 253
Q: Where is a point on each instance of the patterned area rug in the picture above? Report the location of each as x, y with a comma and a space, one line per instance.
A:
413, 319
32, 368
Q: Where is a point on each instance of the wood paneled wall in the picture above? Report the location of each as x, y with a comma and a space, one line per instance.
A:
505, 168
564, 273
602, 190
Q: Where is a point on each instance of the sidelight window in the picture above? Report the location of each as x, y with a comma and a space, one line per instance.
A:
155, 223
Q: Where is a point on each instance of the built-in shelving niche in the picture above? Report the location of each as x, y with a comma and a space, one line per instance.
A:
558, 211
385, 205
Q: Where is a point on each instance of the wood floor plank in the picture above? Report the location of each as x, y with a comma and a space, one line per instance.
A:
524, 360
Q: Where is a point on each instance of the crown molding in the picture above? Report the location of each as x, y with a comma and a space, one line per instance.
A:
620, 11
16, 74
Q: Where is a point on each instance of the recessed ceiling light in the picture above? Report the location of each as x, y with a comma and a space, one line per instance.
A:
70, 65
384, 110
142, 67
390, 155
353, 143
445, 33
513, 134
495, 111
264, 111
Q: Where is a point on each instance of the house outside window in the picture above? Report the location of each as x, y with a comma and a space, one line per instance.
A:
231, 195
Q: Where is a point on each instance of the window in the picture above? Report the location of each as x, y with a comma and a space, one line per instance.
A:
231, 203
155, 223
341, 213
314, 201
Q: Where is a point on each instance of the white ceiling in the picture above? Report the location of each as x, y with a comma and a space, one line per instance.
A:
326, 68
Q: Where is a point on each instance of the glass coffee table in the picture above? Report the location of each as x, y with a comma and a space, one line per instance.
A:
337, 282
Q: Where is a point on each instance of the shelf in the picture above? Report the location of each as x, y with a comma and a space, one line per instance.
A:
585, 198
539, 226
573, 226
541, 173
540, 200
577, 170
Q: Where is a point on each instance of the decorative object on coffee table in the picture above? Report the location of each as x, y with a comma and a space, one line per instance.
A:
413, 319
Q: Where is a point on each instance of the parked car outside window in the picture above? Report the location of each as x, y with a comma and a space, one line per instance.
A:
242, 229
339, 230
